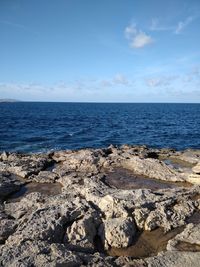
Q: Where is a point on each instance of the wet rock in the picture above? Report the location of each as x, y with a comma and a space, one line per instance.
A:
118, 232
7, 227
8, 184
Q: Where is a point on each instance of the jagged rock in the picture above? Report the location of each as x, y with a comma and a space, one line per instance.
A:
26, 205
44, 177
81, 234
63, 229
83, 160
25, 165
140, 216
112, 207
118, 232
169, 216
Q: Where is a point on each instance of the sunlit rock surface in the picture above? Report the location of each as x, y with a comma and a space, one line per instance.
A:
97, 206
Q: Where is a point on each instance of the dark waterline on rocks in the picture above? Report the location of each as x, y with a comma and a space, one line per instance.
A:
125, 179
148, 243
36, 127
48, 189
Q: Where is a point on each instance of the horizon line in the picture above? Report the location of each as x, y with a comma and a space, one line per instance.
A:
90, 102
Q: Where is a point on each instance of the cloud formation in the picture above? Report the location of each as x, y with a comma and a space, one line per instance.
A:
156, 25
182, 24
161, 81
136, 37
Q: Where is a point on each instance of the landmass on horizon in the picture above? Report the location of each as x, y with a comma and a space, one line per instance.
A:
6, 100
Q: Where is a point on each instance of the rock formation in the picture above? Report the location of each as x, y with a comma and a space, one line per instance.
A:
89, 216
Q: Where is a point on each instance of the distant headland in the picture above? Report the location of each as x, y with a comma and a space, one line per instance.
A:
6, 100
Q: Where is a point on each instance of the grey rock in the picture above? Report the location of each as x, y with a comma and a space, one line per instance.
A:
8, 184
118, 232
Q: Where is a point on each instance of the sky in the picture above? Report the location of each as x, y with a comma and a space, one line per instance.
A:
100, 50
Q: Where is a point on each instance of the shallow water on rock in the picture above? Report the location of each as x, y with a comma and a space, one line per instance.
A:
48, 189
178, 164
147, 244
126, 179
195, 218
185, 246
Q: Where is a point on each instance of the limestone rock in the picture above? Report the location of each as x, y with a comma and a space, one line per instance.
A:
81, 234
118, 232
190, 236
175, 259
196, 168
152, 168
44, 177
194, 179
63, 230
112, 207
25, 165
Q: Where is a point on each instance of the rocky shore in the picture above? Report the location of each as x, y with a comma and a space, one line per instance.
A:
118, 206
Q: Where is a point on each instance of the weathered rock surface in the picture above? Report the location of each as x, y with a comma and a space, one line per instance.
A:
152, 168
194, 178
77, 226
196, 169
189, 239
117, 232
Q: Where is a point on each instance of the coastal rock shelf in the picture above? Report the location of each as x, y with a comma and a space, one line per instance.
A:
118, 206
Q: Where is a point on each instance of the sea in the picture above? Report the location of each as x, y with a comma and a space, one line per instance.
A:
40, 127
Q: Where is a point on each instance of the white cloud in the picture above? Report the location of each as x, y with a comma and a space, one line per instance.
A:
136, 37
182, 24
120, 79
141, 40
157, 26
161, 81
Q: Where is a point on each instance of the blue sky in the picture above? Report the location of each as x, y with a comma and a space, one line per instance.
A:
101, 51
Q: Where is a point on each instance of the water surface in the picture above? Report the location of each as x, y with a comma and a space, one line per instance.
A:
34, 127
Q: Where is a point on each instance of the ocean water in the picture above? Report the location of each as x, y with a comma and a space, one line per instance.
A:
37, 127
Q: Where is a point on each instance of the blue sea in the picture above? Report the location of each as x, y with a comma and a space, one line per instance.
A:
38, 127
